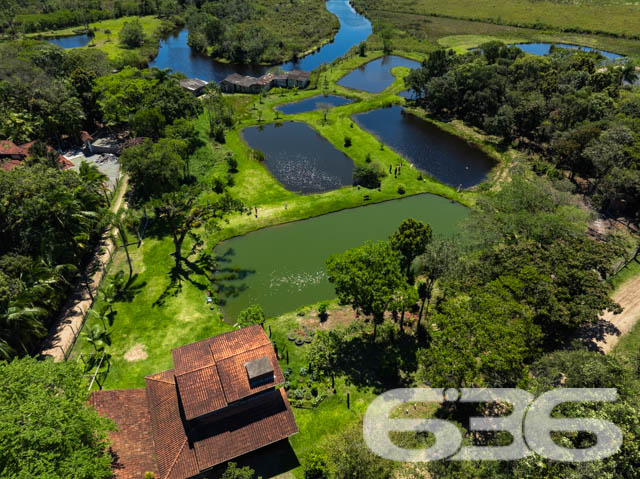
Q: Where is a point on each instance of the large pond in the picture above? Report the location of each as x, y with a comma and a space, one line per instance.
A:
175, 53
375, 76
300, 158
545, 48
444, 156
313, 103
283, 267
74, 41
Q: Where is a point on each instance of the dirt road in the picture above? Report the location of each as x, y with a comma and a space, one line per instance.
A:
69, 323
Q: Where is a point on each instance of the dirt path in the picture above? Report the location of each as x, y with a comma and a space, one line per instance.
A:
627, 296
68, 325
605, 334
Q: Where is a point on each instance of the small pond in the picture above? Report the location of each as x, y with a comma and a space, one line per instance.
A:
443, 155
74, 41
375, 76
283, 267
313, 103
300, 158
545, 48
174, 52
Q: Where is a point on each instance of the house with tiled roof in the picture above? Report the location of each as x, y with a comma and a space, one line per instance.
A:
12, 155
220, 401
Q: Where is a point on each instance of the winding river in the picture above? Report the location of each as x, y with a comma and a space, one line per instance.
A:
175, 53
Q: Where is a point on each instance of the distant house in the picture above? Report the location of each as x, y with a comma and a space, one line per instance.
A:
12, 155
219, 402
193, 85
235, 83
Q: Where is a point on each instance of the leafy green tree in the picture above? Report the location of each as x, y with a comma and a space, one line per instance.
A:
250, 316
439, 258
234, 472
367, 278
148, 122
155, 168
348, 457
410, 240
324, 353
131, 35
368, 175
47, 428
183, 211
486, 339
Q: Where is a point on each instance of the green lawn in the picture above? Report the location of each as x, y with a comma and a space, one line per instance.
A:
108, 42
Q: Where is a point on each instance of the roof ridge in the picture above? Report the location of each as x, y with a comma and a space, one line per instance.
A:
176, 459
197, 369
244, 352
154, 378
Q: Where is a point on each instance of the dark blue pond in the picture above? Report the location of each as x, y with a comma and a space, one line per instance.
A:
442, 155
300, 158
313, 103
75, 41
376, 75
175, 53
544, 49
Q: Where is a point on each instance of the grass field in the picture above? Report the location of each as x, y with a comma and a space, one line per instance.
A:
108, 42
590, 17
419, 32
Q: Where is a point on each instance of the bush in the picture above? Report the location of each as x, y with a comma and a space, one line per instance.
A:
368, 158
368, 175
232, 163
347, 141
401, 189
322, 310
315, 466
303, 371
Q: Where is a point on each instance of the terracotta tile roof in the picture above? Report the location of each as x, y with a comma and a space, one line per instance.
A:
132, 443
9, 148
238, 341
201, 413
201, 392
264, 420
9, 165
233, 374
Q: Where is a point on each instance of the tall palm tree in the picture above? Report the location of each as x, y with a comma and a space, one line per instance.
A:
22, 324
95, 180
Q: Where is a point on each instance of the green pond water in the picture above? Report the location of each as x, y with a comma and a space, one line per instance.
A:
283, 267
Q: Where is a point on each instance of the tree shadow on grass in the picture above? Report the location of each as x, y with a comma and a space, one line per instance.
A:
377, 363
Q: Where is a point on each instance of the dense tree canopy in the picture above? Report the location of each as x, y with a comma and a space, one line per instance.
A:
562, 106
47, 428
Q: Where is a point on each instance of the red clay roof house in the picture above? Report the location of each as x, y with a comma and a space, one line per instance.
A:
219, 402
12, 155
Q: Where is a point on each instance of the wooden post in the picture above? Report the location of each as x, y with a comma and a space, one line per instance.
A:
287, 356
